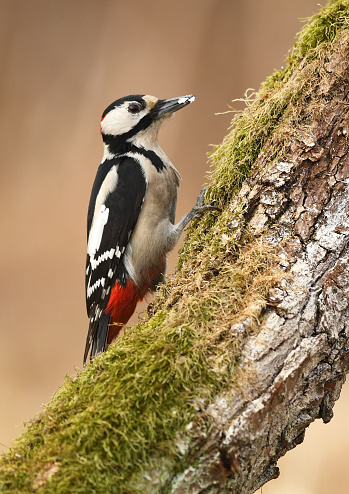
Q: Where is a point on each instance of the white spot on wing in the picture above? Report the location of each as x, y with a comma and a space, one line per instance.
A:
108, 254
91, 289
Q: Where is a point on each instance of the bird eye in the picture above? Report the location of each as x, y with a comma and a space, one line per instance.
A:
134, 107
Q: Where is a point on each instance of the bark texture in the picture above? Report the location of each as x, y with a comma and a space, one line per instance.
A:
293, 369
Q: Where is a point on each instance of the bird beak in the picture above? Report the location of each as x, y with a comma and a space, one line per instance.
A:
166, 106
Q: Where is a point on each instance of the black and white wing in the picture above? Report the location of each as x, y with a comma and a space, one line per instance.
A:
116, 200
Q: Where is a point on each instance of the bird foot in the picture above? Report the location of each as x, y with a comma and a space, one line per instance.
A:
200, 208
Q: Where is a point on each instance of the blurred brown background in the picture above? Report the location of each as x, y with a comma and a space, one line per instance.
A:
62, 63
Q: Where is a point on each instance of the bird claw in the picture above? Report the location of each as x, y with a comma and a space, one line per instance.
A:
201, 197
200, 208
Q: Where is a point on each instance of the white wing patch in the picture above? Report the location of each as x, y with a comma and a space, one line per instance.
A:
108, 186
100, 216
96, 233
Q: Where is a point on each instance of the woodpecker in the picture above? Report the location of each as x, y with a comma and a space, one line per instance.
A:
131, 215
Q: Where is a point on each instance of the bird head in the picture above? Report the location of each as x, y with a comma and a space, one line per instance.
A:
136, 119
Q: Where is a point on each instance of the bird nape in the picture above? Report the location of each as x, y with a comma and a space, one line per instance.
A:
131, 215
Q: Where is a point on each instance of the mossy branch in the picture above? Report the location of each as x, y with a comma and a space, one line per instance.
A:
247, 343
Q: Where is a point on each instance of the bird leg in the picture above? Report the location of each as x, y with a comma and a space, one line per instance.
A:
198, 210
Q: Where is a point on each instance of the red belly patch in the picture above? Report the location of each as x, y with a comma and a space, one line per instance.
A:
121, 306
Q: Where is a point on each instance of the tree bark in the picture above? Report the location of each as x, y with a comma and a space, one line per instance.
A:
290, 369
293, 370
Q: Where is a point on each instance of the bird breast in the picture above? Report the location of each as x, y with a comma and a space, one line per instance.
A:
145, 256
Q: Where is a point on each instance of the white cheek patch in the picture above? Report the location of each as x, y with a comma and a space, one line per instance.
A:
120, 120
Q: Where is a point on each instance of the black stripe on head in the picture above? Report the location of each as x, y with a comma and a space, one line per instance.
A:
119, 102
118, 144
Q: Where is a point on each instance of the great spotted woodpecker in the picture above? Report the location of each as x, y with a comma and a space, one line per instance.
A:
131, 215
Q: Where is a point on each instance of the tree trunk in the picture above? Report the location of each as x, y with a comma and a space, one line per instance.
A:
292, 371
254, 326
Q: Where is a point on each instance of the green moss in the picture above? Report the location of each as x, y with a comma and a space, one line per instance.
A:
250, 130
122, 416
324, 28
125, 411
102, 426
